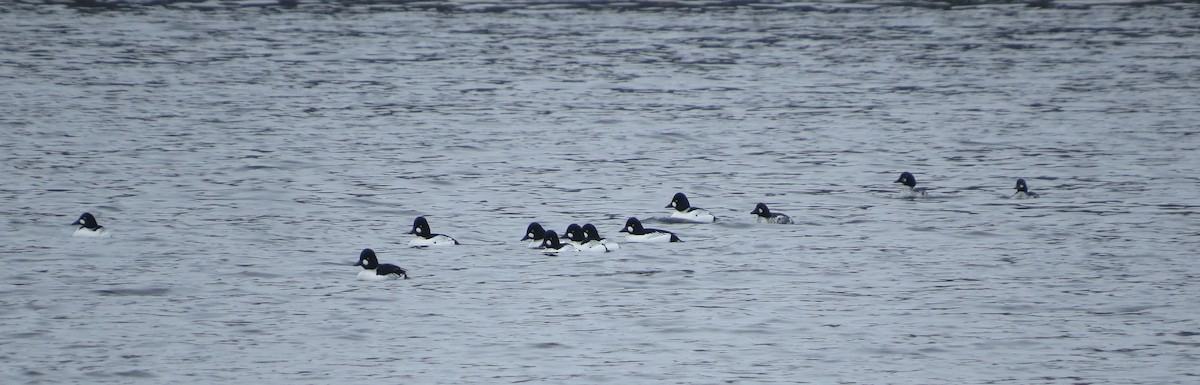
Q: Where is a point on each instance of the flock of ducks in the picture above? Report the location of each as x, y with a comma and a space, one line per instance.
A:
585, 238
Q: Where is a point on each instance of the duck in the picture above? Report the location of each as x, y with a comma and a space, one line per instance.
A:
637, 233
534, 234
685, 211
425, 238
594, 241
88, 227
764, 214
1023, 190
574, 235
910, 186
374, 271
552, 246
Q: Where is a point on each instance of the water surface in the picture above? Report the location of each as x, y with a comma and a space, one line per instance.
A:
244, 155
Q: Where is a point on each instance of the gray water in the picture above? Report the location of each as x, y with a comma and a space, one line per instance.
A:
243, 156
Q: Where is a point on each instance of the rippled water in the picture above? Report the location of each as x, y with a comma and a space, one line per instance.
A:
244, 155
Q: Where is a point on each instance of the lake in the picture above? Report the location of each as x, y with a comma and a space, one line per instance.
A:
242, 154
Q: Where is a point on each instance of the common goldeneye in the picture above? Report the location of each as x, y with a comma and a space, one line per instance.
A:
637, 233
685, 211
551, 245
89, 228
764, 214
374, 271
534, 234
1023, 190
574, 235
910, 186
424, 237
594, 241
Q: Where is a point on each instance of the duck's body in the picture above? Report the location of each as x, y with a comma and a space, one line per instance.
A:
592, 247
637, 233
84, 232
910, 186
1023, 190
762, 213
374, 271
534, 234
685, 211
89, 228
424, 237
